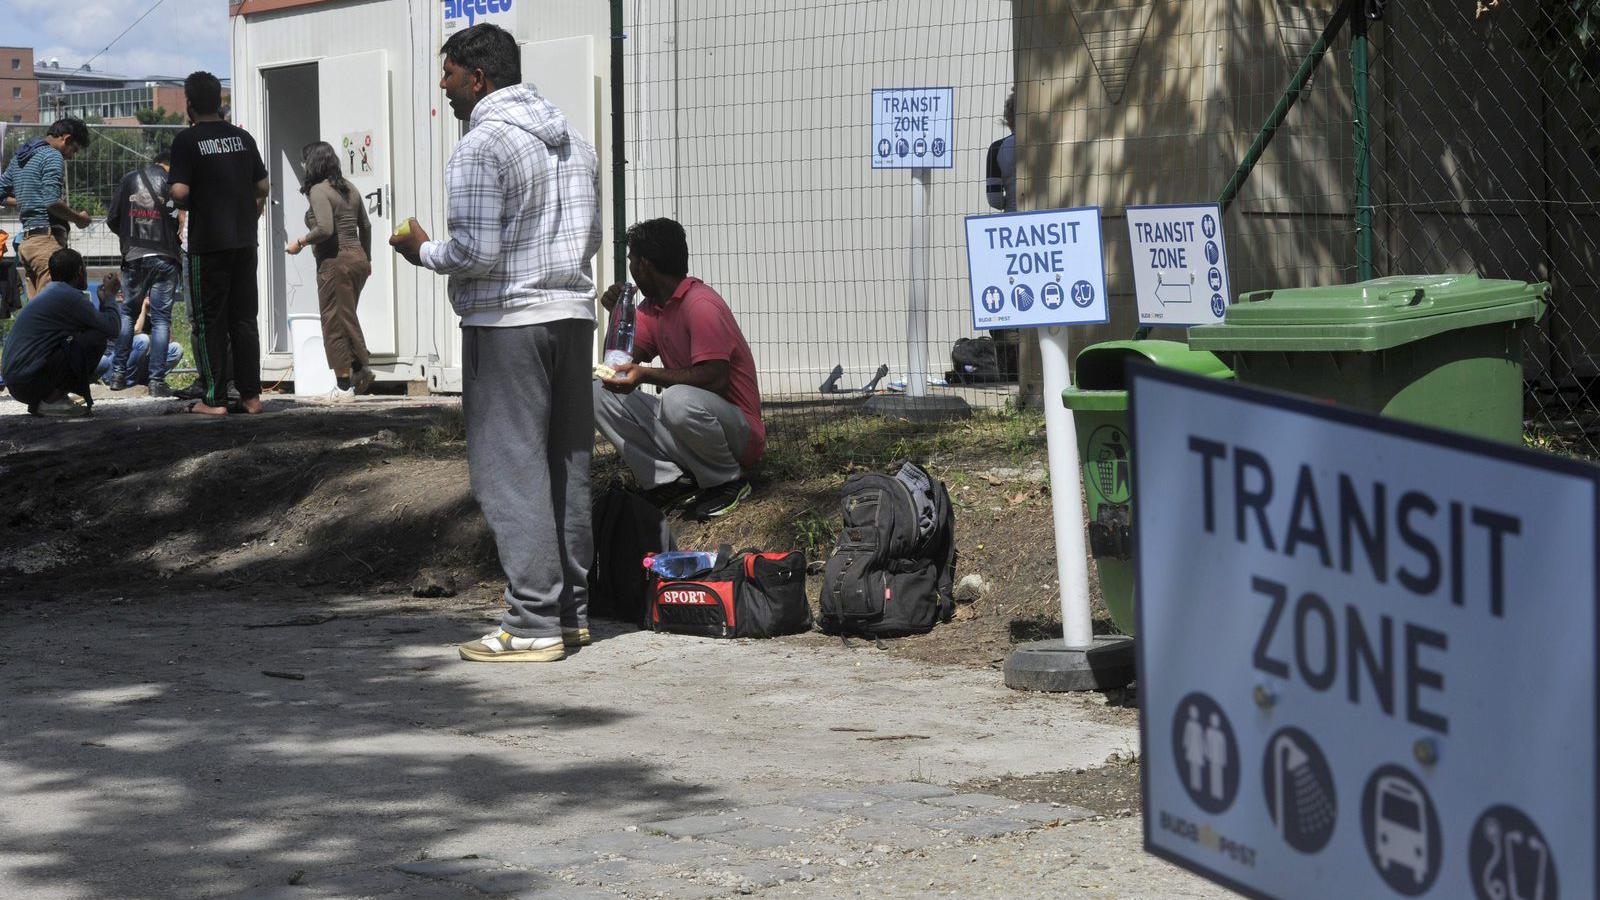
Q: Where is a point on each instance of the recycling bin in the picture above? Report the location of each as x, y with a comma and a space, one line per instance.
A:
1442, 350
1099, 403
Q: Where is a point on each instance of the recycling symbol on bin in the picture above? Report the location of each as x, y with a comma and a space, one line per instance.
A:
1108, 468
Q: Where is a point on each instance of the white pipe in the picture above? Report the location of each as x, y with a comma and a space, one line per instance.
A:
917, 307
1066, 492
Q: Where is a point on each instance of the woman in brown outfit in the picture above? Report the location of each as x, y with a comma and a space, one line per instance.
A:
341, 240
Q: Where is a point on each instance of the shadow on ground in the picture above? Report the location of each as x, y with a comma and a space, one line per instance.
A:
166, 762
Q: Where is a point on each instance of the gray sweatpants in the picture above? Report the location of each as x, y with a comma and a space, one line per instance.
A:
525, 393
686, 429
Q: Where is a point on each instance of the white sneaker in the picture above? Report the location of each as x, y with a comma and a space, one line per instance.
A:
498, 646
339, 395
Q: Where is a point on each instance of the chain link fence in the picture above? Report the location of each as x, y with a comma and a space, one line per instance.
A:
1427, 136
751, 123
1490, 167
114, 151
1469, 145
92, 178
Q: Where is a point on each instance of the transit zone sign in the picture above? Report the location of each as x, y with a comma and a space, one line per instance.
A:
1032, 269
1366, 651
1180, 263
912, 128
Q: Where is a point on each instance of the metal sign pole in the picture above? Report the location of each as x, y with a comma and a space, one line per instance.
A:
1066, 492
1079, 661
917, 307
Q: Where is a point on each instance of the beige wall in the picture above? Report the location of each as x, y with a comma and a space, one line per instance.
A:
1125, 102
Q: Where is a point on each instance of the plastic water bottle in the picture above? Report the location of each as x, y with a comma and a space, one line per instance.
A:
674, 564
619, 337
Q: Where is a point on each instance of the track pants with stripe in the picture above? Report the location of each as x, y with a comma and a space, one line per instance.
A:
224, 283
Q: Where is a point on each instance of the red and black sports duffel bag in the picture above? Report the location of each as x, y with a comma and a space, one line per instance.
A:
744, 595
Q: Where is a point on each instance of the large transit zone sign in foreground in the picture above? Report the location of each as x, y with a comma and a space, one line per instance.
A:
1366, 651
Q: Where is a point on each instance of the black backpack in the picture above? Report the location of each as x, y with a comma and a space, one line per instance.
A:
975, 361
627, 528
892, 570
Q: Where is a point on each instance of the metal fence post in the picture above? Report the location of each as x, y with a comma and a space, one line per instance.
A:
619, 152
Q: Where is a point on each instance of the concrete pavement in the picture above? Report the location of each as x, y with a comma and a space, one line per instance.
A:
146, 753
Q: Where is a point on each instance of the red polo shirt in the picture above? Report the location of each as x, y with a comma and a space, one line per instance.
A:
696, 325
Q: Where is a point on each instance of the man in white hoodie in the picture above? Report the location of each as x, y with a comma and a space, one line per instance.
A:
524, 219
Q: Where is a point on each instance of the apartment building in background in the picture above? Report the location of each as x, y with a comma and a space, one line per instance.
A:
19, 87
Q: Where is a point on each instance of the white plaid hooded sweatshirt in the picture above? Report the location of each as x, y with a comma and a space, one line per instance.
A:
524, 216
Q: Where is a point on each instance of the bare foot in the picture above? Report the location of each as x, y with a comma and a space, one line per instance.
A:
200, 408
252, 406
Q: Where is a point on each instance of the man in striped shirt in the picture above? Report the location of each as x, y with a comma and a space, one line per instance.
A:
37, 181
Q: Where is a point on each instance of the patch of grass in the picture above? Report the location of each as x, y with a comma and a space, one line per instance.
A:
802, 450
182, 333
1573, 445
814, 533
449, 428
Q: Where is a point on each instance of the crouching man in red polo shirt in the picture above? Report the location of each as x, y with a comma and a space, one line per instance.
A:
704, 433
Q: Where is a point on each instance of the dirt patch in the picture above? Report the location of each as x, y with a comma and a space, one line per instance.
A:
374, 498
1112, 790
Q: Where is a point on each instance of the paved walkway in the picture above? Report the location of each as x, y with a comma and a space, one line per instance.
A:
164, 746
896, 840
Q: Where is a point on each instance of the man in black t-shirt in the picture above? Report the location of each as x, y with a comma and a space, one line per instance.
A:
218, 176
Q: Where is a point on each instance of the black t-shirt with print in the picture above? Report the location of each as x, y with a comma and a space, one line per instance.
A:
221, 165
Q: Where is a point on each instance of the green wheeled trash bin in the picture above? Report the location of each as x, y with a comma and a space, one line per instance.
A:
1099, 404
1442, 350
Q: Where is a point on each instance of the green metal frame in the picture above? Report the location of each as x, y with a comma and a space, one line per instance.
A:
1363, 146
1286, 101
619, 152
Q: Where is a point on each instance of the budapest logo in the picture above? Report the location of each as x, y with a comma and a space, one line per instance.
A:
472, 9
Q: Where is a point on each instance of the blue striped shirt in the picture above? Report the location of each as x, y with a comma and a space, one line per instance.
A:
38, 185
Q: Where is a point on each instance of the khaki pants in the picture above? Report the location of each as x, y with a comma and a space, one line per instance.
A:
34, 255
339, 283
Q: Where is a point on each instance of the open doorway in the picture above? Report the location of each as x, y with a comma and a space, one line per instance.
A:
293, 114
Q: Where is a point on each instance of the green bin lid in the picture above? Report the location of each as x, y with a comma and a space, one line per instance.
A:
1102, 368
1369, 315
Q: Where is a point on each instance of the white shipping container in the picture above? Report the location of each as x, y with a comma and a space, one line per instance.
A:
364, 76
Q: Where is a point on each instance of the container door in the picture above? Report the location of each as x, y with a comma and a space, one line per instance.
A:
563, 71
355, 120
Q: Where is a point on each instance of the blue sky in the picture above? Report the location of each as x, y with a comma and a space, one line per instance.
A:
178, 38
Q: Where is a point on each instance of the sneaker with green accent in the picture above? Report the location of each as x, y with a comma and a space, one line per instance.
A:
576, 637
498, 646
720, 500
